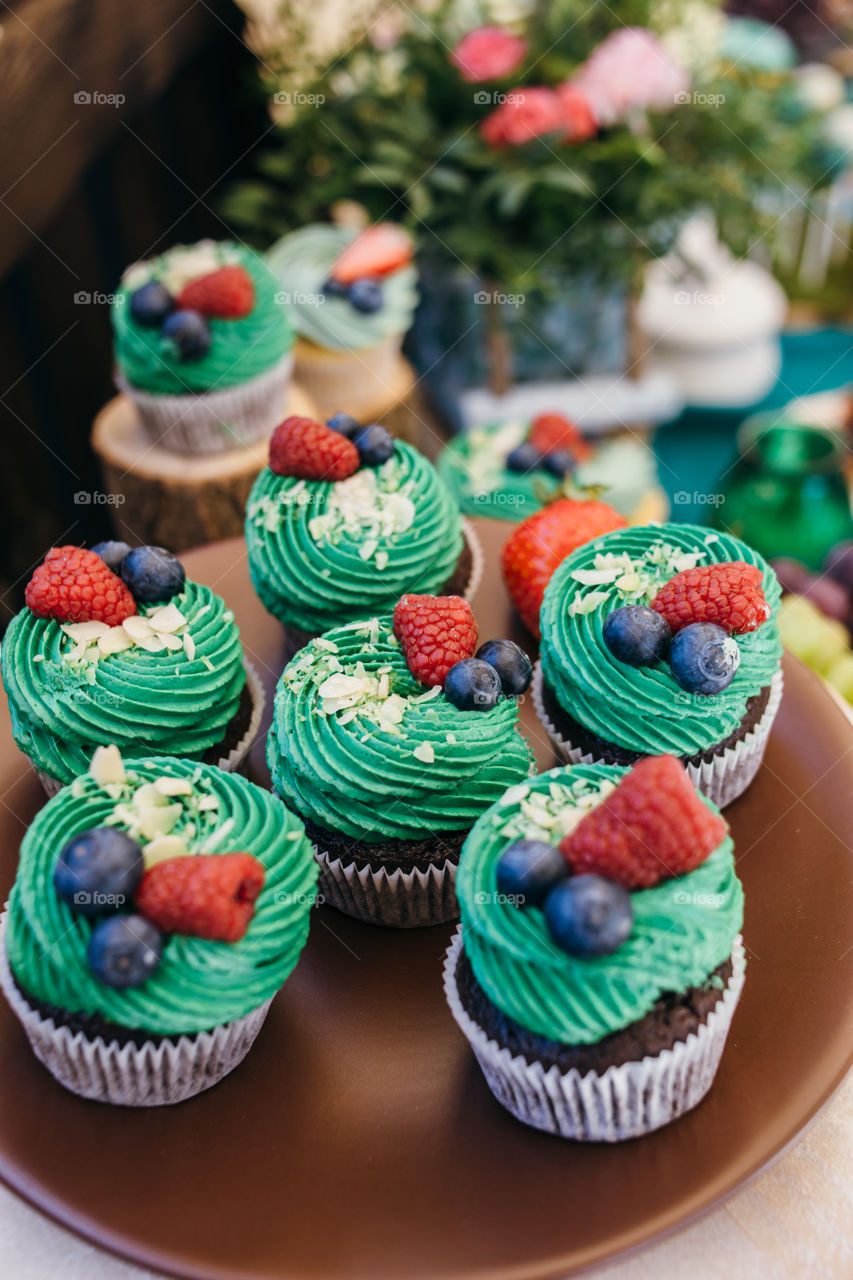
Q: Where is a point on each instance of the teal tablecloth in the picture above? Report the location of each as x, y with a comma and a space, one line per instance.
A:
694, 450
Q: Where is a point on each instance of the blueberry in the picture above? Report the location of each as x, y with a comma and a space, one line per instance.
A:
188, 334
366, 296
511, 663
589, 916
124, 950
560, 463
472, 685
150, 304
524, 457
344, 424
112, 553
335, 288
375, 445
637, 635
529, 869
703, 658
98, 871
152, 574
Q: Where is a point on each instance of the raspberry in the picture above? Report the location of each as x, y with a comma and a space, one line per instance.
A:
74, 585
435, 632
205, 895
652, 826
551, 431
312, 451
729, 595
226, 294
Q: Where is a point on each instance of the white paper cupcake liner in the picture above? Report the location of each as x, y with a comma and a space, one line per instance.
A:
722, 778
478, 559
398, 899
231, 762
625, 1101
213, 421
364, 382
154, 1074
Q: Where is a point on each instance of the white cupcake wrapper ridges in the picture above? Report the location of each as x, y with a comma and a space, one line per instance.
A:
398, 899
626, 1101
478, 559
236, 756
154, 1074
212, 421
722, 778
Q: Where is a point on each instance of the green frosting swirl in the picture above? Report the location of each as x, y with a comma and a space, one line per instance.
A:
240, 349
642, 708
166, 702
394, 759
199, 984
302, 261
321, 554
683, 928
473, 466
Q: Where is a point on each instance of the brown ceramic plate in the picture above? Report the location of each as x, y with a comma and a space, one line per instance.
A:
359, 1138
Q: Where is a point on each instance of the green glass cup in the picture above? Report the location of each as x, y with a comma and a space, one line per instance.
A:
786, 494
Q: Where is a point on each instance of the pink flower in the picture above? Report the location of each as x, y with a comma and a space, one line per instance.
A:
630, 69
579, 120
523, 115
488, 53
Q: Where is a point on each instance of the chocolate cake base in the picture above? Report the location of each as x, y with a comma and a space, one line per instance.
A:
458, 581
93, 1025
235, 730
611, 753
672, 1018
394, 855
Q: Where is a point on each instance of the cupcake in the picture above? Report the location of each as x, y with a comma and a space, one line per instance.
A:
599, 961
509, 470
389, 739
140, 656
159, 905
346, 519
203, 346
352, 297
663, 639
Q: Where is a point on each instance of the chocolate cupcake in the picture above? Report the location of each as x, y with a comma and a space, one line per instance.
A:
663, 638
599, 961
140, 954
386, 771
136, 655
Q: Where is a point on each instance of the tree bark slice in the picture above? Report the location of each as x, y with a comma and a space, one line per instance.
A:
168, 499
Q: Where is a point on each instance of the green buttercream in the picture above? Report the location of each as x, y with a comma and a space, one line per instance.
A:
394, 760
683, 930
143, 702
199, 984
321, 554
473, 466
302, 262
240, 349
642, 708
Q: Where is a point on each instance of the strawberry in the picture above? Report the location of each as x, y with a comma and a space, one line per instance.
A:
75, 585
311, 451
435, 632
205, 895
730, 595
551, 431
225, 294
378, 251
541, 543
652, 826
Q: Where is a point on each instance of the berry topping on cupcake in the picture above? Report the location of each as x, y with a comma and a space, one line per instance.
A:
124, 951
309, 450
186, 335
511, 663
378, 251
704, 658
636, 634
151, 304
98, 871
589, 915
529, 869
730, 595
551, 433
472, 685
435, 632
536, 549
375, 445
226, 294
153, 574
652, 826
75, 585
205, 896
